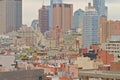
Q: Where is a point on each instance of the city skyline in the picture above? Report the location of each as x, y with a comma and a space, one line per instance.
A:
30, 11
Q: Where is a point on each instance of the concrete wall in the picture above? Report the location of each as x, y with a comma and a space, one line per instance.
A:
22, 75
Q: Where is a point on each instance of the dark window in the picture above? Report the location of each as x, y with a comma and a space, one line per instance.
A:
60, 5
54, 5
40, 78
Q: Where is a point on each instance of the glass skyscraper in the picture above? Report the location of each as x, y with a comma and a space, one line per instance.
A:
90, 30
99, 5
78, 19
50, 10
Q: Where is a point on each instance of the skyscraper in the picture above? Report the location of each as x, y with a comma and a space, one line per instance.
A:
78, 19
62, 16
107, 29
99, 5
35, 23
43, 19
50, 10
90, 30
10, 15
18, 17
103, 31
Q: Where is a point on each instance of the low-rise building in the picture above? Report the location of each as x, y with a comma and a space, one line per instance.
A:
86, 63
6, 40
113, 47
115, 66
70, 69
28, 36
98, 75
7, 63
105, 72
105, 57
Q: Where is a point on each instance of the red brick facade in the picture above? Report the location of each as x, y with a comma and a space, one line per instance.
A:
115, 66
105, 57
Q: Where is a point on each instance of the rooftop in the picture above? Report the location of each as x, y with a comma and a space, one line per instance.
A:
100, 74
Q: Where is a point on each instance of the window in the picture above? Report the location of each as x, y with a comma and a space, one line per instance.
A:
60, 5
40, 78
54, 5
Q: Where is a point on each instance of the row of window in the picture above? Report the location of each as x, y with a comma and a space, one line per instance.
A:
60, 5
112, 44
112, 48
114, 51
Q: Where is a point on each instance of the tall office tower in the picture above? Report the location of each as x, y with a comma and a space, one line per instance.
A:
49, 8
18, 14
62, 16
99, 5
107, 29
43, 19
10, 15
78, 19
50, 11
103, 29
90, 30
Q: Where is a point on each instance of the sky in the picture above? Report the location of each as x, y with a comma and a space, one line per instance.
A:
31, 7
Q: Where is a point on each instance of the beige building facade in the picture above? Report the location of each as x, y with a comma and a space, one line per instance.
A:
86, 63
10, 15
28, 36
108, 28
62, 16
113, 47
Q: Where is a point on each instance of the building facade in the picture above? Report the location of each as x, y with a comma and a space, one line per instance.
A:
50, 10
78, 19
90, 30
28, 36
108, 28
43, 19
7, 64
62, 16
113, 47
100, 7
10, 15
103, 29
98, 75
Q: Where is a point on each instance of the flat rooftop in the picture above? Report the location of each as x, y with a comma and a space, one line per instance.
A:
100, 74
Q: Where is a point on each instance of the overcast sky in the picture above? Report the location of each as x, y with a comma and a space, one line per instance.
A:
30, 8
